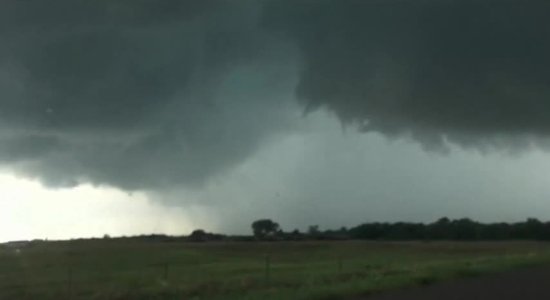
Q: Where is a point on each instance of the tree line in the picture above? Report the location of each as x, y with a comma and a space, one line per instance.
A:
443, 229
459, 229
463, 229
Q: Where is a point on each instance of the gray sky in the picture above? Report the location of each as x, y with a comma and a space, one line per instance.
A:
186, 114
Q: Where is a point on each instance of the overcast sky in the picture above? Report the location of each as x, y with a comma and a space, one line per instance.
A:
128, 117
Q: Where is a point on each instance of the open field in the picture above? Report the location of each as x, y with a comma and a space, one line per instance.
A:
139, 269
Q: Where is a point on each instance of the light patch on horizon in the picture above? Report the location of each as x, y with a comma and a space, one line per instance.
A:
29, 210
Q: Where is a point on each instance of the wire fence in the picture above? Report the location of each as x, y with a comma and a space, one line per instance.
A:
68, 280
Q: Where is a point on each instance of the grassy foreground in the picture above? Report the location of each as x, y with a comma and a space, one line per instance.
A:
126, 269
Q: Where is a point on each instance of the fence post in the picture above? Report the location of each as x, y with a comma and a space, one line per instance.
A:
165, 273
69, 283
267, 268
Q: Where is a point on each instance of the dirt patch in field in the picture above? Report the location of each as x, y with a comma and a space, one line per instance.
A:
524, 284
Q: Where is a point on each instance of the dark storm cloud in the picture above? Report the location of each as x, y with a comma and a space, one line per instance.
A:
138, 94
473, 72
153, 94
78, 60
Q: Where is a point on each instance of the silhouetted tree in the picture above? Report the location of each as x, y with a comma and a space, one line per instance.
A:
439, 229
295, 234
313, 230
464, 229
198, 235
264, 228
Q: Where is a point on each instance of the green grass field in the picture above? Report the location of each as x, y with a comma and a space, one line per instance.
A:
126, 269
